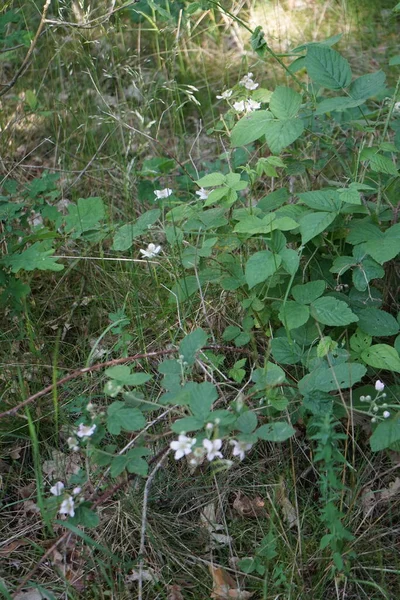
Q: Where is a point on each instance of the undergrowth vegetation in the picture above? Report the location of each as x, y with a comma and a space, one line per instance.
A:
199, 283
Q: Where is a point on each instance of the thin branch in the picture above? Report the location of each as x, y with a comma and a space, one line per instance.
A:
25, 62
99, 366
144, 522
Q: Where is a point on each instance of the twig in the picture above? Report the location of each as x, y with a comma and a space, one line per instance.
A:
144, 522
99, 366
25, 62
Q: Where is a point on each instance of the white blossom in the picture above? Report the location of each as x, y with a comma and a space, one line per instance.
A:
252, 105
386, 414
85, 430
239, 448
239, 106
212, 447
248, 83
379, 386
151, 252
182, 446
165, 193
67, 507
202, 194
57, 488
225, 95
73, 444
76, 491
246, 105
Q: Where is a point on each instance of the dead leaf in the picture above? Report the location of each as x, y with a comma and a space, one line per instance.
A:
30, 507
249, 507
5, 551
61, 465
31, 595
370, 499
208, 520
147, 575
225, 587
393, 489
288, 510
174, 592
27, 490
368, 502
15, 452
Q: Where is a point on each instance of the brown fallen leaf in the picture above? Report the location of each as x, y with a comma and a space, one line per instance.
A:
368, 502
249, 507
288, 510
5, 551
208, 520
174, 592
370, 499
391, 491
225, 587
61, 465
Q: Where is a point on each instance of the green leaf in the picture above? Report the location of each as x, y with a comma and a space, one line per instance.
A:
246, 422
382, 356
286, 352
85, 517
211, 180
251, 127
258, 42
327, 67
124, 236
339, 103
318, 403
120, 417
383, 247
191, 344
84, 215
365, 271
260, 266
360, 341
383, 164
122, 374
284, 103
280, 134
293, 315
367, 85
252, 225
325, 199
290, 260
329, 379
331, 311
274, 200
314, 224
187, 424
308, 292
386, 434
280, 431
394, 60
202, 397
36, 256
377, 323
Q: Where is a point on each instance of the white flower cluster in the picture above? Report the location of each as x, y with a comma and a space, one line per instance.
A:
246, 105
248, 83
374, 406
67, 506
183, 446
